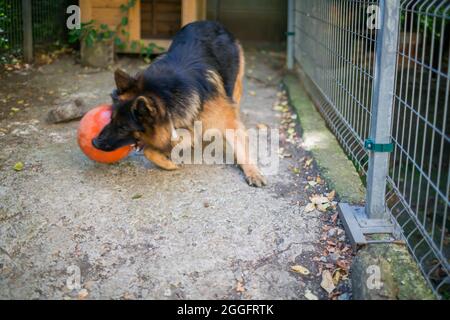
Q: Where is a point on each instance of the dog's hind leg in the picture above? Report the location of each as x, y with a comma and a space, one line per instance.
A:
159, 159
238, 85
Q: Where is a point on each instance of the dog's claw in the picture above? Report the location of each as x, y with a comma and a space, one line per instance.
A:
256, 179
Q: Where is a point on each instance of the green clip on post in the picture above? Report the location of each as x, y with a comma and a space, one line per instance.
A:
378, 147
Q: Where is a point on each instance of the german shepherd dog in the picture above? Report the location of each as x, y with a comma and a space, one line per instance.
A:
198, 79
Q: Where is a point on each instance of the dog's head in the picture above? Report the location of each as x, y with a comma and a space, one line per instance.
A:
134, 112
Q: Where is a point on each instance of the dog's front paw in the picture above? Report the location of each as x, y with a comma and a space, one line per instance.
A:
169, 166
256, 179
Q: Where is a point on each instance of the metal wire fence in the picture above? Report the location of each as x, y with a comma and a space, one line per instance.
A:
48, 22
335, 48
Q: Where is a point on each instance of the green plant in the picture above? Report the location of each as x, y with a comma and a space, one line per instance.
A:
426, 22
4, 20
90, 34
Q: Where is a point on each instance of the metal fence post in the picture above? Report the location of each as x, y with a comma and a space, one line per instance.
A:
290, 34
374, 218
382, 103
27, 31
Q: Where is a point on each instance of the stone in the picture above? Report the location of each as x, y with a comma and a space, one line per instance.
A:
98, 55
67, 112
387, 272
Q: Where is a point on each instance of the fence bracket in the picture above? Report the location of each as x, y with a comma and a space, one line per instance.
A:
369, 144
361, 230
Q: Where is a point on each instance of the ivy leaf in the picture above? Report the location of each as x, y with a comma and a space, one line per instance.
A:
124, 21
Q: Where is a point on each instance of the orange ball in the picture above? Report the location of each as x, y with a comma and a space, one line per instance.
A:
90, 127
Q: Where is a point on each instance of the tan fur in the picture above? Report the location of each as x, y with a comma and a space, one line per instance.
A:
221, 115
159, 159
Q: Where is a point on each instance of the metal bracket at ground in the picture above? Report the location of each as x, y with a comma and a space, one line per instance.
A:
361, 230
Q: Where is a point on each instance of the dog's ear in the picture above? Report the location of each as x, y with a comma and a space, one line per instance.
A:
144, 108
123, 80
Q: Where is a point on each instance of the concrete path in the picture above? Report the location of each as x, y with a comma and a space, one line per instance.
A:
132, 230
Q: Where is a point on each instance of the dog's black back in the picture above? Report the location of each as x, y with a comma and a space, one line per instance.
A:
197, 48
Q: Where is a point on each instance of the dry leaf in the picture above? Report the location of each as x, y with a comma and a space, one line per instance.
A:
323, 207
316, 199
300, 269
82, 294
312, 183
336, 276
18, 166
309, 207
240, 287
310, 296
295, 170
327, 282
342, 264
331, 195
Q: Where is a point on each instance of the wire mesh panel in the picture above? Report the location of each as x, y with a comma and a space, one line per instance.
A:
335, 49
11, 35
418, 181
48, 22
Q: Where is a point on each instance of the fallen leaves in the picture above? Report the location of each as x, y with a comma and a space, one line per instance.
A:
327, 282
309, 207
136, 196
82, 294
301, 270
240, 287
320, 202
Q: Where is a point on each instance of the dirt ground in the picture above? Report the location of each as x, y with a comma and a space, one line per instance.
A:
136, 232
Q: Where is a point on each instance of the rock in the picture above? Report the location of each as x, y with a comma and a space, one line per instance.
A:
67, 112
387, 272
99, 55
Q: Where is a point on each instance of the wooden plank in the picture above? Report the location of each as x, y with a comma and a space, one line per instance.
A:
134, 22
86, 10
109, 16
107, 3
160, 18
189, 11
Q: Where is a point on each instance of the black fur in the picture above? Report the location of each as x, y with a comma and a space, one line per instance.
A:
197, 49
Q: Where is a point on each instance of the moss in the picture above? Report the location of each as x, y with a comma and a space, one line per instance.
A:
399, 274
331, 159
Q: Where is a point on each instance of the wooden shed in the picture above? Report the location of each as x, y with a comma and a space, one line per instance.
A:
152, 21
